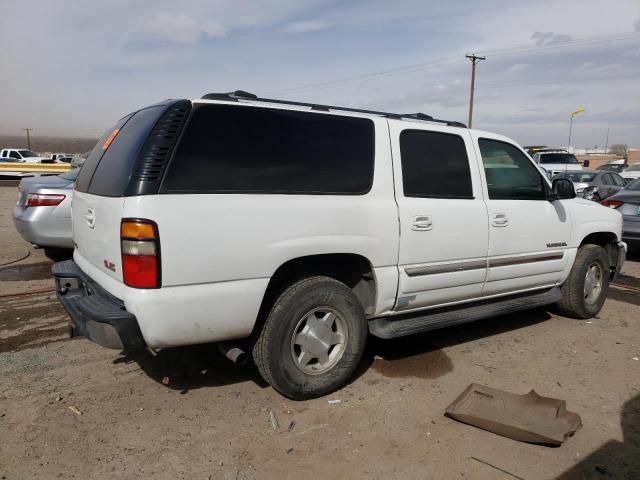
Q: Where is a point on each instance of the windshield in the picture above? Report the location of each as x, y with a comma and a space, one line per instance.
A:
577, 177
562, 158
27, 153
71, 175
633, 168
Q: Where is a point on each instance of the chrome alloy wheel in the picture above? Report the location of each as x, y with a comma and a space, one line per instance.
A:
593, 283
319, 340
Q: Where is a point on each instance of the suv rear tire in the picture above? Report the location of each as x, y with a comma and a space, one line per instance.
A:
586, 288
312, 340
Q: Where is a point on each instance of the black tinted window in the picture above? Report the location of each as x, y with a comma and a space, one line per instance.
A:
509, 172
111, 177
91, 163
233, 149
434, 165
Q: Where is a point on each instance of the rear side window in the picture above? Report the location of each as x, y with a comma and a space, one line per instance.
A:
434, 165
233, 149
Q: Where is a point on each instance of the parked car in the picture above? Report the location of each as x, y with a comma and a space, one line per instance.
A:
632, 172
557, 161
613, 167
42, 214
627, 202
594, 184
22, 155
294, 230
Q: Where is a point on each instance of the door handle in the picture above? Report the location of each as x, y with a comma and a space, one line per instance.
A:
499, 220
90, 217
421, 223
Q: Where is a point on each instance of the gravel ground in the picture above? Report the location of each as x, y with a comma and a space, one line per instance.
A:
70, 409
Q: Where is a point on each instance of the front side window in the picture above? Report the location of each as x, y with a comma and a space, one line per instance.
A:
241, 149
510, 174
14, 155
434, 165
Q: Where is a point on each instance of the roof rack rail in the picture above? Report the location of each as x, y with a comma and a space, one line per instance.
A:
242, 95
429, 118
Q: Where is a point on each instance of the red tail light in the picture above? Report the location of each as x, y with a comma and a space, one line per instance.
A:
612, 203
44, 200
140, 246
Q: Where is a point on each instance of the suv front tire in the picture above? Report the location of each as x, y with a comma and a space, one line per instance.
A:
312, 340
586, 288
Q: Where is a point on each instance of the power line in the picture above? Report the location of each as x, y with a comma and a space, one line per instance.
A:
558, 82
446, 61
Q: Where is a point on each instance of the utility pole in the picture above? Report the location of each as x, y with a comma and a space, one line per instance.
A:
606, 145
28, 137
474, 60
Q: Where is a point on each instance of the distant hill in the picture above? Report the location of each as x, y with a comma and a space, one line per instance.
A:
49, 144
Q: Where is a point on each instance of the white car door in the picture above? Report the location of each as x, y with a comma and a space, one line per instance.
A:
528, 234
443, 216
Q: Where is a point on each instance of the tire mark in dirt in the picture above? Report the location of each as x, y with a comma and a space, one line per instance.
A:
625, 289
31, 322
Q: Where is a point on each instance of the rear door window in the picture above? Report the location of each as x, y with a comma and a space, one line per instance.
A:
242, 149
434, 165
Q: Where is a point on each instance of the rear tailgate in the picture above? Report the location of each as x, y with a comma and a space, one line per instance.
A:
96, 231
107, 177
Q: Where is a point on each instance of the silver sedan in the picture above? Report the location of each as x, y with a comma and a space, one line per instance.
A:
594, 184
42, 214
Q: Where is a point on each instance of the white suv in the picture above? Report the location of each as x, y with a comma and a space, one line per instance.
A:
295, 230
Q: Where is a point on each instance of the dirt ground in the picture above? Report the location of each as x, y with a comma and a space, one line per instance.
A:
71, 409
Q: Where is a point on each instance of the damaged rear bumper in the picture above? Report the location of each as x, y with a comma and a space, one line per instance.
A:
95, 313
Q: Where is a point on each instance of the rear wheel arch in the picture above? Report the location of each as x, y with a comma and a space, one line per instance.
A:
352, 269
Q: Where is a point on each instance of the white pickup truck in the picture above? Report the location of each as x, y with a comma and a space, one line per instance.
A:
293, 231
21, 155
557, 161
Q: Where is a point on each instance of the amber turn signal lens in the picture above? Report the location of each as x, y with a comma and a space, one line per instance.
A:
137, 230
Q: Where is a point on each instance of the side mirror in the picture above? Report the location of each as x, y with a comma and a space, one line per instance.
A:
586, 163
562, 189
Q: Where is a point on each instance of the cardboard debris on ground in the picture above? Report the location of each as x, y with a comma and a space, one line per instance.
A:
526, 418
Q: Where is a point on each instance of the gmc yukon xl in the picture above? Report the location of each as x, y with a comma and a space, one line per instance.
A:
293, 231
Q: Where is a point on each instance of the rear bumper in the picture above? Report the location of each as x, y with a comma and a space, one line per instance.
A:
37, 225
95, 314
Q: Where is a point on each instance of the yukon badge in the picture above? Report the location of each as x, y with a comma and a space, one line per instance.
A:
556, 244
110, 265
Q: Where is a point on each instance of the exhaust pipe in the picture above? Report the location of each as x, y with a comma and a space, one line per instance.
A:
233, 353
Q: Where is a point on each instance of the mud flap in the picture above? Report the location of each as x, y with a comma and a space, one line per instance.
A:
526, 418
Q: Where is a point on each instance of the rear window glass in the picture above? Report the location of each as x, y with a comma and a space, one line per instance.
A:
577, 177
239, 149
434, 165
558, 158
111, 177
90, 164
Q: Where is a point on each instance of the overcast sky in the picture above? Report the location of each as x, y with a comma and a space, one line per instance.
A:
71, 68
